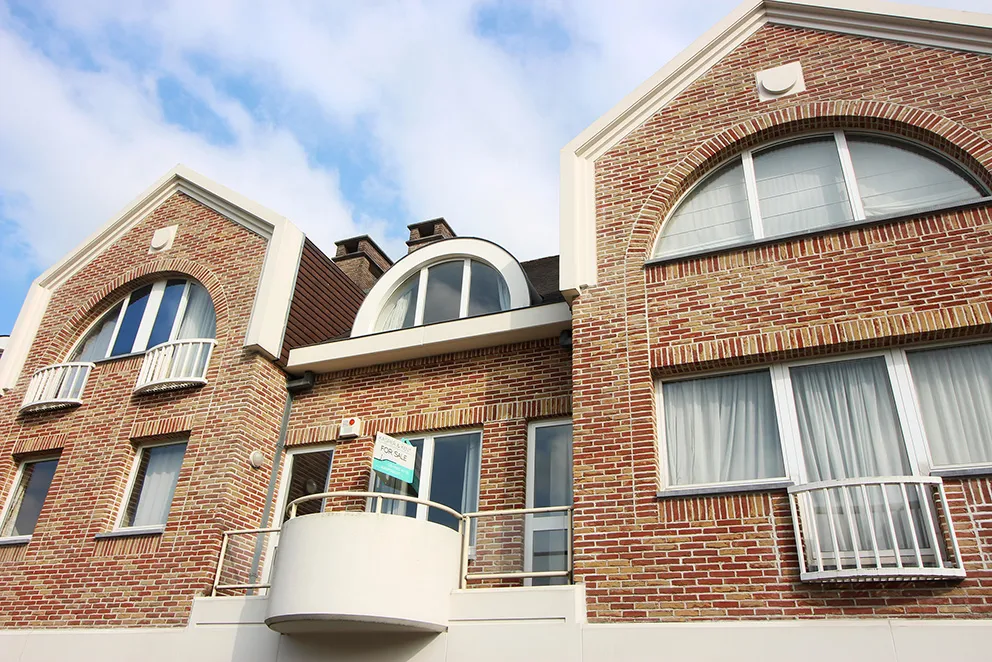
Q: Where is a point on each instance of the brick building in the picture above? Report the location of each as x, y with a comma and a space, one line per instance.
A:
747, 412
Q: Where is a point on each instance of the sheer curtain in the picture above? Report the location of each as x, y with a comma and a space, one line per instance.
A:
722, 429
399, 314
801, 187
895, 178
158, 485
954, 389
97, 342
715, 214
199, 320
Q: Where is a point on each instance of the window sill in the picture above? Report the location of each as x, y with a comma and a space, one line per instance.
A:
867, 223
962, 472
726, 488
134, 531
10, 541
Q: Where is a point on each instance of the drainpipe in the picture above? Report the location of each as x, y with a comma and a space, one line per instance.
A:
293, 387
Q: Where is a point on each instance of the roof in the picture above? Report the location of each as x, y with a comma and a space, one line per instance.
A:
945, 28
543, 275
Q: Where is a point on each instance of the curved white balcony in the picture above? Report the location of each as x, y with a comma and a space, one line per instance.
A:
175, 365
56, 387
875, 529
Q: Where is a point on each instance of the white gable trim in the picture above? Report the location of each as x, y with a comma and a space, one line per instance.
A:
275, 287
966, 31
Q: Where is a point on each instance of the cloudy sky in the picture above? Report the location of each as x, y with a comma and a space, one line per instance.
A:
347, 117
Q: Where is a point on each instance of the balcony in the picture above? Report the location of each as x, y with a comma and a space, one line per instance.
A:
366, 570
57, 387
175, 365
875, 529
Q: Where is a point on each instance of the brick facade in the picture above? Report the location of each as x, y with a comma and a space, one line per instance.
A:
893, 283
143, 580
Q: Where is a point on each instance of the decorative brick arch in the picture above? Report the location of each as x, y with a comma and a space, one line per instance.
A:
116, 288
944, 135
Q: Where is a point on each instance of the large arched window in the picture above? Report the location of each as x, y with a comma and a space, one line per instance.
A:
173, 309
444, 291
812, 183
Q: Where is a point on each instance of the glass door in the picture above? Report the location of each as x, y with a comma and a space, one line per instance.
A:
549, 483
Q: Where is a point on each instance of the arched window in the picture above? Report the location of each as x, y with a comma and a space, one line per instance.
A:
173, 309
445, 291
812, 183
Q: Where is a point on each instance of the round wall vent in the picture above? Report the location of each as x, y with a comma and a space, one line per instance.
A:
779, 80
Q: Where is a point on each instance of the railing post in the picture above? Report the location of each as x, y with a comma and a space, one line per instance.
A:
220, 564
570, 549
466, 540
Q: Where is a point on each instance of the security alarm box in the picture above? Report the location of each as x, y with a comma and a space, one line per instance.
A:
350, 427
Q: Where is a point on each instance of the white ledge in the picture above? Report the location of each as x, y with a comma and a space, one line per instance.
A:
430, 340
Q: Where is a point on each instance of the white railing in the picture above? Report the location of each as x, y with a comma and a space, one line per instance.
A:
57, 386
375, 501
863, 529
173, 365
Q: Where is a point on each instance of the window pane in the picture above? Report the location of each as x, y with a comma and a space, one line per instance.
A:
390, 485
132, 319
801, 187
722, 429
401, 311
895, 178
714, 214
455, 476
954, 389
847, 420
199, 320
154, 486
97, 343
550, 553
553, 466
488, 293
444, 292
310, 474
166, 317
36, 479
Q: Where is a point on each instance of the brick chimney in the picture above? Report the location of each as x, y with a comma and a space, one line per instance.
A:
427, 232
362, 260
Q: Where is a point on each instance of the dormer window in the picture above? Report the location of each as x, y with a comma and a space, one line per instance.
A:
811, 183
173, 309
445, 291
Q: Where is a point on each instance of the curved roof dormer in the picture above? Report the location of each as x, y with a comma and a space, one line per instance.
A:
444, 281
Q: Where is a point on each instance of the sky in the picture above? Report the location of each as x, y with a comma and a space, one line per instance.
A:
346, 117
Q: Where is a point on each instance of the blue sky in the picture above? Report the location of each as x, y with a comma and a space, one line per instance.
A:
346, 117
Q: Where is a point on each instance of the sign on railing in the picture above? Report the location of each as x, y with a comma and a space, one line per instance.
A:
875, 528
57, 386
177, 364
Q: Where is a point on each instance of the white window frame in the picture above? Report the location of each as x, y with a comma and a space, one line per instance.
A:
908, 413
464, 294
144, 332
746, 159
547, 523
287, 472
139, 452
9, 501
427, 467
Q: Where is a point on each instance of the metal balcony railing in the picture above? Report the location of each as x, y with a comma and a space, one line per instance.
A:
175, 365
56, 387
865, 529
465, 528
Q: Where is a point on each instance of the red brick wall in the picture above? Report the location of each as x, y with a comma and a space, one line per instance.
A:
903, 282
66, 577
497, 390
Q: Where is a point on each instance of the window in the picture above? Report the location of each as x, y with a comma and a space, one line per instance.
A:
173, 309
549, 483
153, 484
891, 413
309, 473
809, 184
34, 478
445, 291
446, 471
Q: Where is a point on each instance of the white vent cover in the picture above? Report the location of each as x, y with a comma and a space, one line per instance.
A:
780, 81
350, 427
162, 239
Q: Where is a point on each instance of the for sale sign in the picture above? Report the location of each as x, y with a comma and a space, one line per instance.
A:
394, 457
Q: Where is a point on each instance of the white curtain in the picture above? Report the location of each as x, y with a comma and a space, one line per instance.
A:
504, 294
954, 389
159, 484
199, 320
97, 342
470, 475
396, 314
801, 187
715, 214
721, 429
894, 179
